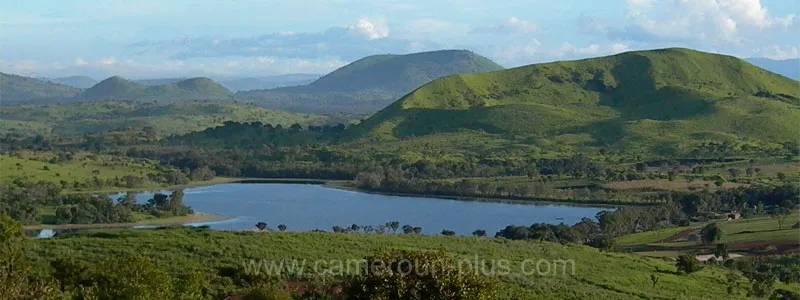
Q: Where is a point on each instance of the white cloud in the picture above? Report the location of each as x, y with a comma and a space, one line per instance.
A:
728, 21
516, 26
511, 26
107, 61
779, 52
372, 29
80, 62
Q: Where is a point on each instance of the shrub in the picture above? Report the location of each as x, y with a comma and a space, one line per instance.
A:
688, 264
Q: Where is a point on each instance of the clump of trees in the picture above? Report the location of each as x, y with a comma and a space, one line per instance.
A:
417, 275
92, 210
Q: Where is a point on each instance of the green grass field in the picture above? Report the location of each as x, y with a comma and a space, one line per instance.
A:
39, 167
597, 275
165, 119
748, 235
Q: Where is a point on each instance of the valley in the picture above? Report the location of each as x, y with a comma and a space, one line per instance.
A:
635, 166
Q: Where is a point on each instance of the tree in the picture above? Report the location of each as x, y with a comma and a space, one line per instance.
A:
261, 225
128, 200
282, 227
688, 264
448, 232
15, 281
417, 230
417, 275
604, 243
267, 292
780, 214
782, 176
479, 233
408, 229
394, 225
130, 277
722, 251
710, 234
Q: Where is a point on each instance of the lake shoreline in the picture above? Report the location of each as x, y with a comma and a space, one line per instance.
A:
344, 185
198, 217
509, 200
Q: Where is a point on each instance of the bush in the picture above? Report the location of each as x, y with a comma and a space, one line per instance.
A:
688, 264
417, 275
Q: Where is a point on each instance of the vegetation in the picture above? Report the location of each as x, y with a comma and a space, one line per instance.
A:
15, 90
659, 103
226, 254
371, 83
191, 89
150, 121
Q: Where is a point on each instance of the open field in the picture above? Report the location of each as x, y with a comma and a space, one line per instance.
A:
748, 235
664, 184
82, 167
624, 276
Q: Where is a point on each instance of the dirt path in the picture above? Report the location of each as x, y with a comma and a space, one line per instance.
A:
682, 234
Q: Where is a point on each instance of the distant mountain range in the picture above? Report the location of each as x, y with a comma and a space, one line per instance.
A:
371, 83
81, 82
19, 90
15, 90
661, 101
788, 67
118, 88
362, 87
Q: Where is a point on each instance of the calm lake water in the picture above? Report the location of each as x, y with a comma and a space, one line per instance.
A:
304, 207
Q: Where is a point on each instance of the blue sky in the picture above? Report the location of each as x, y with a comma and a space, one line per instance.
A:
222, 38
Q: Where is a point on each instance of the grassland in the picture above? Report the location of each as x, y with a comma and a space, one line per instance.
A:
659, 103
747, 235
623, 276
164, 119
82, 167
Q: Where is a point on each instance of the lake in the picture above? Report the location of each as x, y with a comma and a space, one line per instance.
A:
304, 207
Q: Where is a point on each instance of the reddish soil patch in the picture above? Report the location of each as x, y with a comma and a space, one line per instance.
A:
753, 247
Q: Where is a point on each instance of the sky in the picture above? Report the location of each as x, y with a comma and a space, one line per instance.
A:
226, 39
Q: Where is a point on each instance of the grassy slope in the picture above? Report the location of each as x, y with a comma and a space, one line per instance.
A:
597, 275
371, 83
662, 101
31, 167
20, 90
166, 119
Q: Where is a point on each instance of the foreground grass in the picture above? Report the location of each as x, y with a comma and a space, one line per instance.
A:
597, 275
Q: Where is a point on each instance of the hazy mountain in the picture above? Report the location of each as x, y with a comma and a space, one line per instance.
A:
118, 88
788, 67
371, 83
81, 82
16, 90
268, 82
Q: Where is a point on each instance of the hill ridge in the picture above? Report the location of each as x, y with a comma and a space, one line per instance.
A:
369, 84
625, 100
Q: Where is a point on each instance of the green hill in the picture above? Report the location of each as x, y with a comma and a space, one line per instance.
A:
166, 119
371, 83
16, 89
118, 88
661, 101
